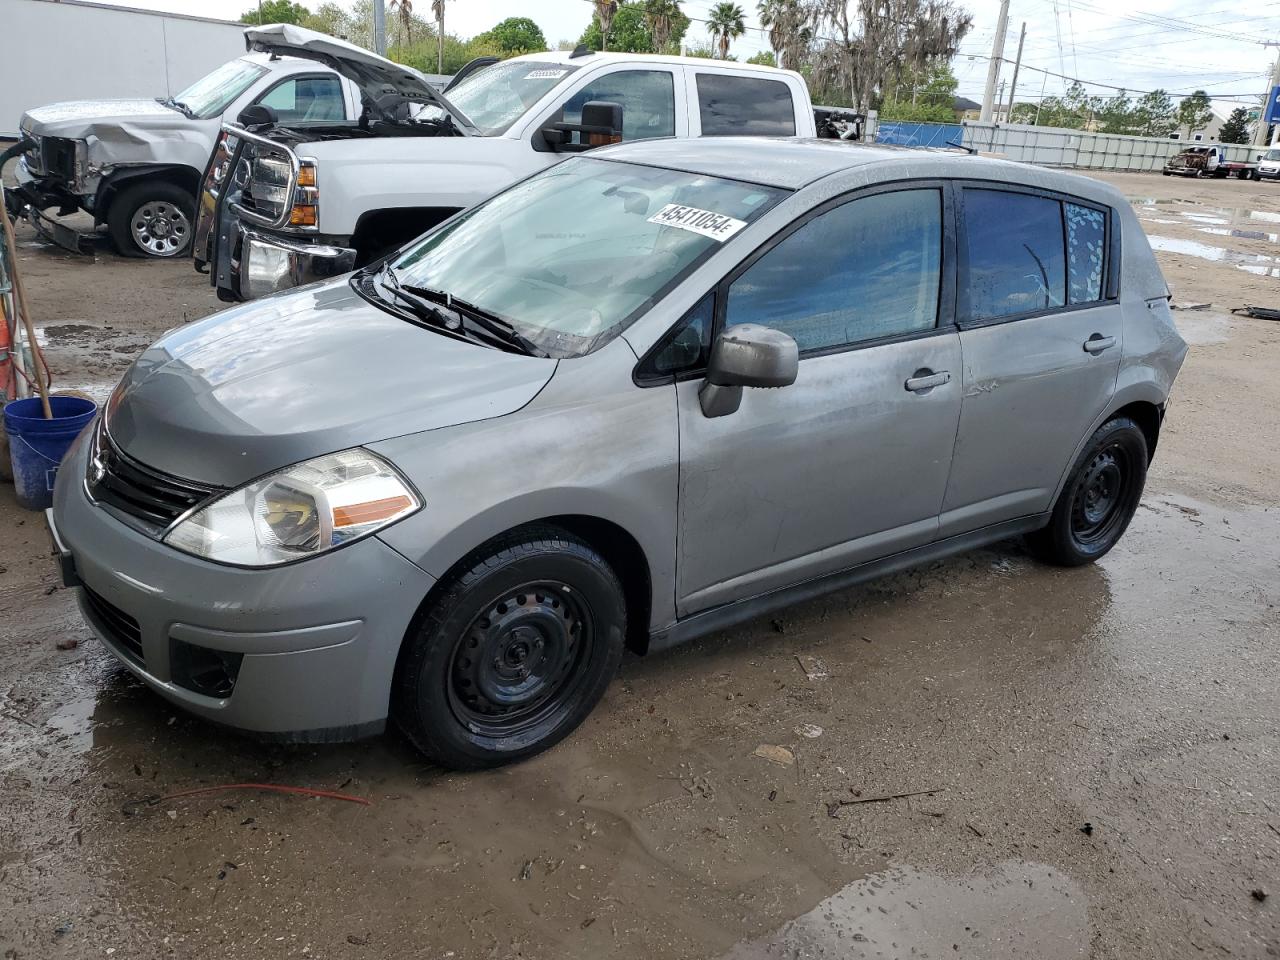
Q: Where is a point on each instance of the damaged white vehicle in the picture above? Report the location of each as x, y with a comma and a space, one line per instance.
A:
135, 165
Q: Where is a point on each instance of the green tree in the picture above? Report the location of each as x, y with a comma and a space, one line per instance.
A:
1154, 115
1195, 112
726, 22
632, 32
1116, 114
703, 51
665, 19
606, 10
789, 32
764, 58
1235, 129
276, 11
515, 35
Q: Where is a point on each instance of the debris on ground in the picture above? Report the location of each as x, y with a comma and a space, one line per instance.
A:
1087, 829
810, 731
776, 754
130, 807
1190, 306
67, 643
814, 668
890, 796
1258, 894
1258, 313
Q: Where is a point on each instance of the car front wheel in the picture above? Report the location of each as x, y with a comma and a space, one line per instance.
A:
152, 219
1099, 498
513, 653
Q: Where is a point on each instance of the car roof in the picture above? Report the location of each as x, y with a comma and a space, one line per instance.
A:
594, 59
796, 162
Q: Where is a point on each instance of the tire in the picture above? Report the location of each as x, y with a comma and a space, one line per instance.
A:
513, 654
152, 219
1099, 498
1165, 173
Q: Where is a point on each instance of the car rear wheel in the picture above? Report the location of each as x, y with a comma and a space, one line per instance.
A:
514, 653
152, 219
1099, 498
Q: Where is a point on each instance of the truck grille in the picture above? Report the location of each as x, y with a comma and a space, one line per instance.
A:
121, 629
156, 499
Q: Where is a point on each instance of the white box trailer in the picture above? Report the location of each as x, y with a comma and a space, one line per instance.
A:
57, 50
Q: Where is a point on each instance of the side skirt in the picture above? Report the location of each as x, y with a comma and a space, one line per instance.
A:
732, 614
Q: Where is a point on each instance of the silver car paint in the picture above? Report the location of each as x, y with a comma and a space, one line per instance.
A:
591, 443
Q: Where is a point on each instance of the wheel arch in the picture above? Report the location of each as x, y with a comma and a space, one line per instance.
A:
377, 231
180, 175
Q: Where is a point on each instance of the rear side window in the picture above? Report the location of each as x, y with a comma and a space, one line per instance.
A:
745, 107
1086, 249
1016, 254
865, 270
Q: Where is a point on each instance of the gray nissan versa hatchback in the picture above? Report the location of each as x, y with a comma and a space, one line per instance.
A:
644, 394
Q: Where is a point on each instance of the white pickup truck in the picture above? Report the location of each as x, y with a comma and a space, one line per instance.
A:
136, 164
283, 205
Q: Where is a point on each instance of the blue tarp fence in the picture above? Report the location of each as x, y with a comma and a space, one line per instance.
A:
911, 134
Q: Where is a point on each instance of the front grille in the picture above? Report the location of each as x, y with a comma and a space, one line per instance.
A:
58, 157
120, 628
157, 499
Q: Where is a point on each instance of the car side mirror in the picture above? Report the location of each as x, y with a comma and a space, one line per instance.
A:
601, 124
258, 115
1258, 157
748, 355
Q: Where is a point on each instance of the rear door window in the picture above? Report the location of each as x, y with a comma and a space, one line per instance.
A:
648, 101
1016, 253
745, 106
865, 270
1086, 252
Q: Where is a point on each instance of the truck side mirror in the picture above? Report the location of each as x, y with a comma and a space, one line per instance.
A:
748, 355
257, 115
601, 124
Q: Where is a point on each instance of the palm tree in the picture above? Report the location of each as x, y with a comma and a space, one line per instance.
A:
437, 7
404, 10
726, 22
605, 9
661, 16
787, 31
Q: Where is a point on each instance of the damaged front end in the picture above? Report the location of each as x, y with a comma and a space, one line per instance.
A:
51, 173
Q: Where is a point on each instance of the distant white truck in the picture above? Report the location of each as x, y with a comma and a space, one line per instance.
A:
283, 205
135, 165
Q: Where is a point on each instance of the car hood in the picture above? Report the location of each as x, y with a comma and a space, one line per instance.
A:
277, 381
374, 75
80, 119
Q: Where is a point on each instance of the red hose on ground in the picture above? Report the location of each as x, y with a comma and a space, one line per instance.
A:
278, 788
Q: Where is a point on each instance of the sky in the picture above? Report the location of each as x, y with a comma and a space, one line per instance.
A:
1176, 45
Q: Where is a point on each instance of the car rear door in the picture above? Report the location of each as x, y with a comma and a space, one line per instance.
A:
1040, 330
850, 462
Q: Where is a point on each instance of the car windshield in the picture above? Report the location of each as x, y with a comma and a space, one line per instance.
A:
571, 257
214, 92
493, 98
1273, 155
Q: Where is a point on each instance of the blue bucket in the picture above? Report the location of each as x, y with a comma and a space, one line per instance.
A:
37, 445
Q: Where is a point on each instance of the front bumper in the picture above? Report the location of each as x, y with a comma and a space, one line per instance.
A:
315, 642
1266, 173
253, 264
33, 194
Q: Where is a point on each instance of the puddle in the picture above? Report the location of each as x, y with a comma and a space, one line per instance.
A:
1203, 327
1255, 263
1233, 232
1018, 910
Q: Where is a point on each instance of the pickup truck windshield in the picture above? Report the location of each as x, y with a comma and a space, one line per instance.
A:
493, 98
571, 257
213, 93
1272, 155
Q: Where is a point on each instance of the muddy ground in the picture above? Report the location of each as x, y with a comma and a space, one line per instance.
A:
1099, 746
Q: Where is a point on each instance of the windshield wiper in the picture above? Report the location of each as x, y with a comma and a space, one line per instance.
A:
421, 308
178, 105
490, 323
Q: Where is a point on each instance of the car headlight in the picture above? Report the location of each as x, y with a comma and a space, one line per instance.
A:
298, 512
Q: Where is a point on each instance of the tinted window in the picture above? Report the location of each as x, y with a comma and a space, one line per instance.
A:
864, 270
687, 345
745, 106
1086, 246
307, 100
1017, 260
648, 102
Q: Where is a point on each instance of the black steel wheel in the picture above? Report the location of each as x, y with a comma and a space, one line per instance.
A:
1099, 498
515, 650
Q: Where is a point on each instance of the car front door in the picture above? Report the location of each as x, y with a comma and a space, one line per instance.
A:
1041, 336
850, 462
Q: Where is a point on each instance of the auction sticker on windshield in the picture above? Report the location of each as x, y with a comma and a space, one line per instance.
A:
707, 223
545, 74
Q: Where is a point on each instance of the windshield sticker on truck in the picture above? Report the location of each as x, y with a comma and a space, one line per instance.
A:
545, 74
706, 223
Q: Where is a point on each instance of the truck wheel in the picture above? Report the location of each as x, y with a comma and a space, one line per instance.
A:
152, 219
1099, 498
514, 652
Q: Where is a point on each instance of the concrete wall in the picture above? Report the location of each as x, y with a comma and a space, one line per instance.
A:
72, 50
1054, 147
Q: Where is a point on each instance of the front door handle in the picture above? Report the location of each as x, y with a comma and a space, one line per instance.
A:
1097, 343
924, 380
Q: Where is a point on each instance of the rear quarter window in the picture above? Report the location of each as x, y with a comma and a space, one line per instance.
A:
745, 106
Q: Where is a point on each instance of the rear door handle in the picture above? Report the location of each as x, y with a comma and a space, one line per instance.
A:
925, 380
1097, 343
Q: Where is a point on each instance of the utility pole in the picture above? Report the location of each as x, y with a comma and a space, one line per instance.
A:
1260, 131
380, 27
1017, 65
993, 68
999, 114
